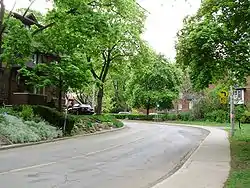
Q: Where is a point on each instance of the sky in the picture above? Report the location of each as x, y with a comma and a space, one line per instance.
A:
165, 19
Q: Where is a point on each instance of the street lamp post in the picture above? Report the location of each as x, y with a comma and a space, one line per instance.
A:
232, 115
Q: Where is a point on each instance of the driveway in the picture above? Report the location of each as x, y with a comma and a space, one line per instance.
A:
138, 157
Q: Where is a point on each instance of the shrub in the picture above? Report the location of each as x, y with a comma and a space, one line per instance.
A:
219, 116
26, 112
18, 131
137, 117
245, 117
239, 112
185, 116
8, 110
44, 130
55, 118
172, 117
101, 119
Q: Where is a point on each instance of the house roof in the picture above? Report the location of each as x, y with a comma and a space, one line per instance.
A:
27, 20
29, 64
32, 17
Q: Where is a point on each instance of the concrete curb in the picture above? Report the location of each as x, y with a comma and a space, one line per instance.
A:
59, 139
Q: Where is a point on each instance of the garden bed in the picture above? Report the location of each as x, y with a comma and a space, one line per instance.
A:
23, 124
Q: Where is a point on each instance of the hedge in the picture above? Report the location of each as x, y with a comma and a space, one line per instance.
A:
55, 118
183, 116
160, 117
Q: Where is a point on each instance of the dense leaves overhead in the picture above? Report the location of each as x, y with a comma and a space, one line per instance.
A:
16, 43
97, 44
215, 43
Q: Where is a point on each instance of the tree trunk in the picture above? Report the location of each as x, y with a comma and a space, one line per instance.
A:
60, 96
148, 106
10, 86
99, 100
1, 62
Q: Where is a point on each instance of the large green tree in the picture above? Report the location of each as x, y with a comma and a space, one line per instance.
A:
215, 43
154, 84
106, 31
16, 47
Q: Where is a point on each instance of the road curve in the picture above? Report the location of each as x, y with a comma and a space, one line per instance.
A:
137, 157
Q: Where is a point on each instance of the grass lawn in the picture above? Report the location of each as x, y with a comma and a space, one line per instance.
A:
240, 154
202, 123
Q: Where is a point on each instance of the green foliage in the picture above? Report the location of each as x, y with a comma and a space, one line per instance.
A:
171, 117
68, 73
160, 117
101, 119
9, 111
214, 43
245, 117
16, 43
155, 83
18, 131
239, 112
104, 34
55, 118
91, 124
26, 113
209, 102
185, 116
240, 167
219, 116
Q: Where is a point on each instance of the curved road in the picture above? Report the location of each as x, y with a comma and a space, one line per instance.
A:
138, 156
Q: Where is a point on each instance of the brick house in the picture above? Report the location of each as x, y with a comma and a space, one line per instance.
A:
185, 102
13, 89
242, 94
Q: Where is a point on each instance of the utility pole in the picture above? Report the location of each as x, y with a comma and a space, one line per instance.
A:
232, 115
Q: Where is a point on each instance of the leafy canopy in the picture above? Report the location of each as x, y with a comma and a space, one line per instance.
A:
215, 43
155, 83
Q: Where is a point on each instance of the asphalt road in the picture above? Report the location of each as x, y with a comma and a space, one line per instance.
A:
137, 157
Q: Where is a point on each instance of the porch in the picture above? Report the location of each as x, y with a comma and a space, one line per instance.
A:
19, 98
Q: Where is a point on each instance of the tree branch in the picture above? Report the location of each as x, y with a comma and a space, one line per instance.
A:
43, 28
31, 3
107, 66
104, 64
94, 74
2, 26
2, 14
91, 68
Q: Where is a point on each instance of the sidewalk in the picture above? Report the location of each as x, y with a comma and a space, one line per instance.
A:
208, 167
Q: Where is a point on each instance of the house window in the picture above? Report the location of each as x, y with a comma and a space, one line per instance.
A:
179, 106
239, 96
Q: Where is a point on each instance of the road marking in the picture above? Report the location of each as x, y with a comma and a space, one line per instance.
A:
67, 159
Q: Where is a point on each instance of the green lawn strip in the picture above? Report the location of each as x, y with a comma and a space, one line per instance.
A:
201, 123
240, 159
